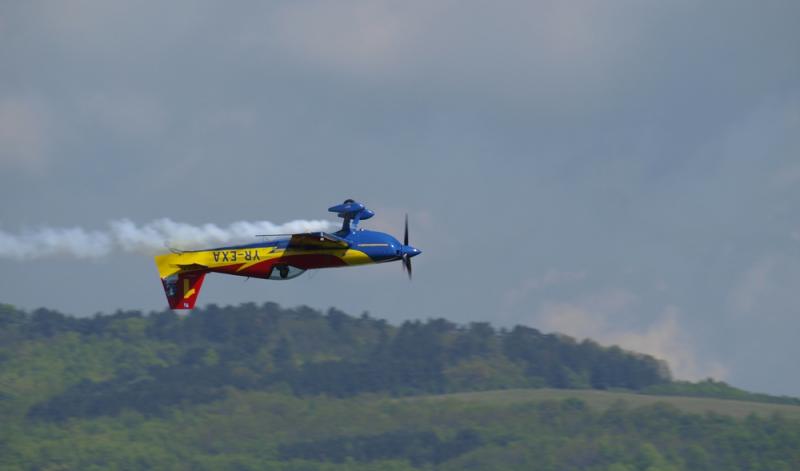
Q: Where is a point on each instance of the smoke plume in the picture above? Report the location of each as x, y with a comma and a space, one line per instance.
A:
151, 238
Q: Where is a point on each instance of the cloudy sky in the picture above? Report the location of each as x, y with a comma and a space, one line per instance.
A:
625, 170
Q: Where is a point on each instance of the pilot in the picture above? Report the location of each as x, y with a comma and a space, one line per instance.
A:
284, 271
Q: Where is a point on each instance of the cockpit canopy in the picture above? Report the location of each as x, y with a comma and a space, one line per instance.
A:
283, 271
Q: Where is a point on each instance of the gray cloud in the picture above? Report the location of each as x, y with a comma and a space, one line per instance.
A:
665, 338
650, 145
23, 135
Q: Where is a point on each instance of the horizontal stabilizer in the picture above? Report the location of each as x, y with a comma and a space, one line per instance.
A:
191, 267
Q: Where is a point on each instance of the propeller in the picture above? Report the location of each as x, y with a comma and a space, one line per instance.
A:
406, 255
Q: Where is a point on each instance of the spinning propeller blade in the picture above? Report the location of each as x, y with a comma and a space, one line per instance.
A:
406, 256
405, 237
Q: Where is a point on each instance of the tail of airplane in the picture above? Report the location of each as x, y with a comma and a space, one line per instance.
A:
182, 282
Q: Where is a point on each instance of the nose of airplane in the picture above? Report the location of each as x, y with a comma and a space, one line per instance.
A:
411, 251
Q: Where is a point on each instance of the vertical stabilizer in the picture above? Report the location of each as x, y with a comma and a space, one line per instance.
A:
181, 281
182, 289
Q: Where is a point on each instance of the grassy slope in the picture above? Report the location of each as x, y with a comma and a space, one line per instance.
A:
604, 399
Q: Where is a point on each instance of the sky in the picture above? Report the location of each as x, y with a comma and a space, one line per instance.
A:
627, 171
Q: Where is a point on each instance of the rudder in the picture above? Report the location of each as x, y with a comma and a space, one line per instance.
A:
182, 289
182, 279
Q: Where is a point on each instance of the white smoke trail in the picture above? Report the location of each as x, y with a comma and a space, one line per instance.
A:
151, 238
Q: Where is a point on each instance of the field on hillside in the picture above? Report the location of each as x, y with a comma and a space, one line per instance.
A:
261, 387
602, 400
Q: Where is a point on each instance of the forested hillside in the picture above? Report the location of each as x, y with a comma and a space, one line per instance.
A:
147, 363
263, 387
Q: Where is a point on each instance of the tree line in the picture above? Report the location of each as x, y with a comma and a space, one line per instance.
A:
267, 347
265, 387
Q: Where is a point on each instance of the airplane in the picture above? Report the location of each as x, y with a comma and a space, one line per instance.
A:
285, 256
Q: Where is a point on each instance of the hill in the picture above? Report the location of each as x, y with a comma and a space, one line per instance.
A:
263, 387
107, 363
603, 400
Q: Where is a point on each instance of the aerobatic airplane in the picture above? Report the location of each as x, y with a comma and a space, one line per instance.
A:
284, 256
